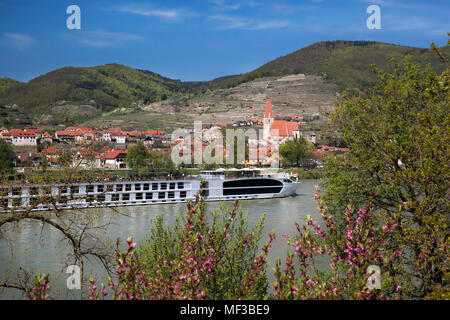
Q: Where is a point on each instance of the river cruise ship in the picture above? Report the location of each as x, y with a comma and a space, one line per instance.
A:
144, 190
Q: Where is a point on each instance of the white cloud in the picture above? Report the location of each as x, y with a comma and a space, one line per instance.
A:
166, 14
229, 22
19, 40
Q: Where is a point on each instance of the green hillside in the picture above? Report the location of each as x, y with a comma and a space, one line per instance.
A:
346, 63
105, 87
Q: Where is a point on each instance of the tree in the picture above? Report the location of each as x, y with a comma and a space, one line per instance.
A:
295, 150
137, 156
5, 156
399, 155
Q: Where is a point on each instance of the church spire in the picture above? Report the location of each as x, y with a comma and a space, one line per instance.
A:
269, 112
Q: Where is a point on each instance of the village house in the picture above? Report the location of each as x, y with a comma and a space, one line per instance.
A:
114, 159
87, 159
18, 137
46, 137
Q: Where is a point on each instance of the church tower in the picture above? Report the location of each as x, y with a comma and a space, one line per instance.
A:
268, 119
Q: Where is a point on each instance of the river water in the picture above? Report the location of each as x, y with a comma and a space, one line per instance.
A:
29, 246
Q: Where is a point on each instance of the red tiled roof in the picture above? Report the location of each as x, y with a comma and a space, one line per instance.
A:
156, 132
269, 111
292, 126
279, 128
50, 150
47, 135
113, 154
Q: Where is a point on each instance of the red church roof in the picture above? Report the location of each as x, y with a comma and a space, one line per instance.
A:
269, 112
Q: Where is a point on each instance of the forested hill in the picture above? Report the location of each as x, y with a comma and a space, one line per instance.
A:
107, 87
346, 63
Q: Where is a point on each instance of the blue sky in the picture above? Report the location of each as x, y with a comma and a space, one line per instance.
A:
199, 39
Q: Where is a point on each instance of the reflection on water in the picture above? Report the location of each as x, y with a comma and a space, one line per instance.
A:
37, 248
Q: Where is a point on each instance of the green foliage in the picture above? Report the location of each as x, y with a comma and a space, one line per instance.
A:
139, 159
137, 156
5, 156
228, 242
295, 150
399, 155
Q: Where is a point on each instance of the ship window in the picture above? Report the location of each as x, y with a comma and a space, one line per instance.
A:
128, 187
75, 189
154, 186
161, 195
90, 188
251, 186
100, 188
101, 198
115, 197
4, 203
16, 191
33, 191
137, 187
63, 190
16, 202
180, 185
90, 198
125, 196
164, 186
47, 190
149, 196
172, 185
139, 196
109, 188
146, 186
171, 194
205, 190
183, 194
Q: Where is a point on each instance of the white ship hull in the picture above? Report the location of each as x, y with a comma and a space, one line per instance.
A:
145, 192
